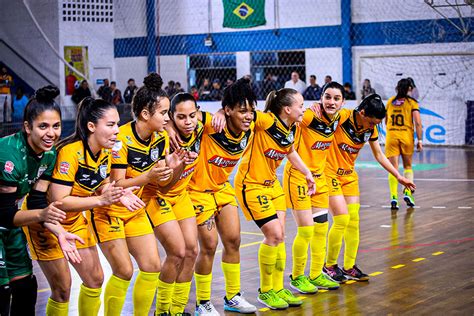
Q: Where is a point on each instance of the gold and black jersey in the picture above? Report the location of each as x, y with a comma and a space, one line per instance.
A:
348, 141
400, 117
77, 167
269, 145
219, 154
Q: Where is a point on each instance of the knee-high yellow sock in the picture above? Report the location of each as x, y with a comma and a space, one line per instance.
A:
267, 256
279, 271
54, 308
351, 236
408, 173
335, 235
114, 295
393, 185
300, 250
163, 296
318, 249
89, 301
180, 297
203, 287
232, 278
144, 292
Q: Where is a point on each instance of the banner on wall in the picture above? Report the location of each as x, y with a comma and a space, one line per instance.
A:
77, 57
244, 14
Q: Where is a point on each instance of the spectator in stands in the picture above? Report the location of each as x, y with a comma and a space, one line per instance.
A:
170, 89
349, 94
105, 92
178, 88
216, 91
116, 94
81, 92
366, 89
296, 83
414, 90
256, 89
6, 81
194, 92
19, 103
205, 90
268, 86
130, 91
327, 79
228, 83
71, 80
313, 92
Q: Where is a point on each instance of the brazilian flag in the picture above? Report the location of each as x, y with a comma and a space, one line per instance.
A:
240, 14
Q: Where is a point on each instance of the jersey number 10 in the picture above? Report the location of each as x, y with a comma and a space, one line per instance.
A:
397, 120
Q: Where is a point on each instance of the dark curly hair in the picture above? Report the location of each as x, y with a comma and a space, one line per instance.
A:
43, 100
238, 93
148, 96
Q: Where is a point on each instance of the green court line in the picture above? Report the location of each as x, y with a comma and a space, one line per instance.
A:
416, 167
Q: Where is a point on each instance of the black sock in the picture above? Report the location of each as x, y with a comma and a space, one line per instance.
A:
5, 295
24, 293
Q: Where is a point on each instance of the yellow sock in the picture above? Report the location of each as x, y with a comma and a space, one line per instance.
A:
180, 297
335, 237
89, 301
267, 256
163, 296
114, 295
144, 292
279, 271
54, 308
232, 278
318, 249
393, 185
300, 250
203, 287
408, 173
351, 236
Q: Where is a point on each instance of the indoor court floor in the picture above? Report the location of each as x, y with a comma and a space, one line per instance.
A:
420, 260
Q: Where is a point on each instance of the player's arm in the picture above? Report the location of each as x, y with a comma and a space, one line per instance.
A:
299, 164
385, 163
418, 129
118, 175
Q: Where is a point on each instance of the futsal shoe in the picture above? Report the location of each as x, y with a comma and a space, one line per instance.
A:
334, 273
354, 273
302, 285
271, 300
288, 297
183, 314
408, 197
394, 205
206, 309
239, 304
323, 282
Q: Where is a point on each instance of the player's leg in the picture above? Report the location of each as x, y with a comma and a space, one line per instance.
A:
58, 275
228, 226
408, 173
393, 184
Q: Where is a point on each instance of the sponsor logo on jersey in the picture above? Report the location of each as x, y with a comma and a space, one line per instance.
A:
154, 154
9, 166
64, 167
186, 173
275, 154
290, 137
319, 145
243, 143
348, 148
103, 171
367, 136
223, 162
41, 170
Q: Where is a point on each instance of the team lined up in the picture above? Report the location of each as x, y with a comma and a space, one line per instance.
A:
124, 188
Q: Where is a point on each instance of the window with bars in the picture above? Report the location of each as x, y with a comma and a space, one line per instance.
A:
88, 11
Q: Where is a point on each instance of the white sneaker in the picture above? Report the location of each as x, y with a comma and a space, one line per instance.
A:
206, 309
239, 304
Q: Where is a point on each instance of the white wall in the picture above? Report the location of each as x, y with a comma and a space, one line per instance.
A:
132, 67
129, 18
174, 68
322, 62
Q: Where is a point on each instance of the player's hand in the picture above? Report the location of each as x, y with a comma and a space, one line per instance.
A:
316, 108
311, 184
162, 174
130, 200
218, 121
407, 183
176, 158
110, 194
419, 146
67, 242
52, 214
190, 157
174, 137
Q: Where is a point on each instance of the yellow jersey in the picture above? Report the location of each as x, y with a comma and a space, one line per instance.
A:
269, 145
400, 117
219, 154
348, 141
77, 167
